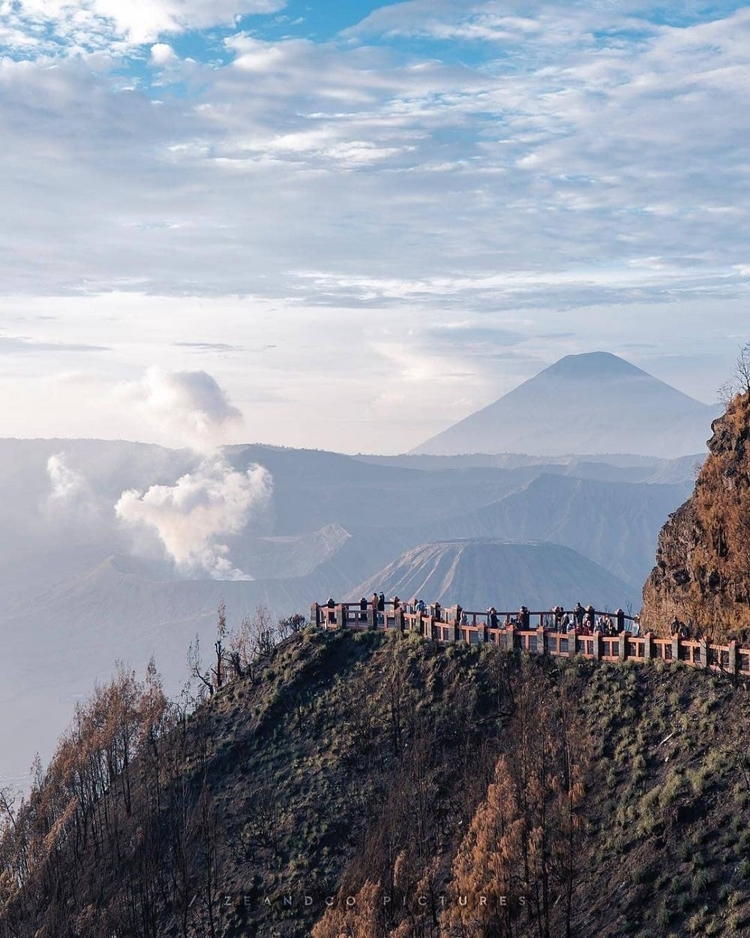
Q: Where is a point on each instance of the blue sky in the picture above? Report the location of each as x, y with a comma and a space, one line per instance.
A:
363, 220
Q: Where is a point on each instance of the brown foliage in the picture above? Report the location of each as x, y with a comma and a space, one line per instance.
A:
518, 858
702, 574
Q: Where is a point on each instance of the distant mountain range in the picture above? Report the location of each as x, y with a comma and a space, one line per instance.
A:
80, 589
591, 403
482, 572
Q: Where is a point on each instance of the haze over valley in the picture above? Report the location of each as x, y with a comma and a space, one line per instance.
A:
121, 551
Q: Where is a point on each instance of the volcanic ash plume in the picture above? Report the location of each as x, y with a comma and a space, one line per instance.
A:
193, 517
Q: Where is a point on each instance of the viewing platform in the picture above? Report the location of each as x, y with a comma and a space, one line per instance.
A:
454, 624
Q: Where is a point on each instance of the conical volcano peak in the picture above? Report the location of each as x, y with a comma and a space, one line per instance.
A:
591, 403
593, 365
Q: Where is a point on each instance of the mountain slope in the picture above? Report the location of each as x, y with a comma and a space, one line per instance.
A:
591, 403
483, 572
613, 524
370, 765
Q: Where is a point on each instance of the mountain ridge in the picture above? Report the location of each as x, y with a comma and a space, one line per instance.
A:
595, 402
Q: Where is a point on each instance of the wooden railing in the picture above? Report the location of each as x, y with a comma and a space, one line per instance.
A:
476, 628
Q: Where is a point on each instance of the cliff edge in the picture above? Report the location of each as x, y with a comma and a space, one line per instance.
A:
702, 572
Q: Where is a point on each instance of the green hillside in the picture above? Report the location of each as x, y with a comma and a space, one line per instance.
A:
378, 785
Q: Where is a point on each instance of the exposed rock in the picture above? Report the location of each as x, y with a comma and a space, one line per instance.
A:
702, 572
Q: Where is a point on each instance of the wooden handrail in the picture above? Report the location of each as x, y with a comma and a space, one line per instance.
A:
729, 658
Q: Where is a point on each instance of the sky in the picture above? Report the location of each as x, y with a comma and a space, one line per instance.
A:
348, 225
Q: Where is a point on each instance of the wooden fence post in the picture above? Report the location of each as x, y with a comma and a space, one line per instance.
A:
510, 639
731, 658
648, 646
704, 653
623, 646
341, 616
541, 639
597, 645
675, 647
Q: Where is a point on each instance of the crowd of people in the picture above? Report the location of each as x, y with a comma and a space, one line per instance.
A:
581, 620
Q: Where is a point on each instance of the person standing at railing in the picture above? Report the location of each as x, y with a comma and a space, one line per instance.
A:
492, 617
578, 614
680, 629
524, 617
363, 609
381, 602
331, 606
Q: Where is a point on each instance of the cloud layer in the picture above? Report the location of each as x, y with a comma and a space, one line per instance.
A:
314, 216
103, 24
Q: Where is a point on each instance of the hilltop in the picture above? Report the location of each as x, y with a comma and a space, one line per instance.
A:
371, 765
590, 403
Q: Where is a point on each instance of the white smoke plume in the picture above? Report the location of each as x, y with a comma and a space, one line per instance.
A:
186, 408
71, 499
193, 517
68, 486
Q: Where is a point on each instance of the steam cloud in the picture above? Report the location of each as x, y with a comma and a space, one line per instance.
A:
188, 407
71, 500
68, 486
192, 517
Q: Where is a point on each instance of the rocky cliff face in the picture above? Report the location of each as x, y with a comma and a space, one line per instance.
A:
702, 572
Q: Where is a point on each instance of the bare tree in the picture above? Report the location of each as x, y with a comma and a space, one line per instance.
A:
251, 642
742, 370
195, 665
221, 631
291, 625
739, 383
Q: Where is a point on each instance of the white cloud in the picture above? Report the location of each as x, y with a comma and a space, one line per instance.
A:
96, 24
187, 408
577, 165
193, 517
162, 53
